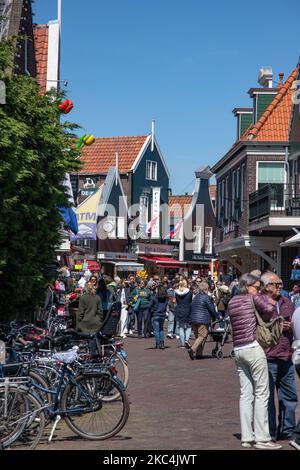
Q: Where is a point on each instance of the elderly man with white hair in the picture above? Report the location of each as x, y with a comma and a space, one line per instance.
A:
280, 366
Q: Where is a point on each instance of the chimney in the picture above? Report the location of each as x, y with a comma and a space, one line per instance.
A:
262, 97
265, 77
281, 75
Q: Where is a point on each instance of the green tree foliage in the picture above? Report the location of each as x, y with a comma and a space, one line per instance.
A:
35, 153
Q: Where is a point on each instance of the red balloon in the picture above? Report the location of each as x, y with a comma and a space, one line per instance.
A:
66, 106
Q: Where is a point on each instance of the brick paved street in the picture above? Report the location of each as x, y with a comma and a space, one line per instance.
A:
176, 403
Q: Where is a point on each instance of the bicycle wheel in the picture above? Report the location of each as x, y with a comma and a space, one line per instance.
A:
22, 418
122, 373
87, 414
123, 369
40, 381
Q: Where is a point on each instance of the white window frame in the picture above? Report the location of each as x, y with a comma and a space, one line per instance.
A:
208, 240
232, 193
152, 174
198, 239
223, 198
226, 197
144, 208
284, 183
243, 175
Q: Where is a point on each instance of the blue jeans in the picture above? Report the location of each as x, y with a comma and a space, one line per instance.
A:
185, 330
142, 314
131, 317
158, 325
282, 377
171, 322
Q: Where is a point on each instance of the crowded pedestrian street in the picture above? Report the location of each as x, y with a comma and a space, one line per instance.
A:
149, 228
176, 404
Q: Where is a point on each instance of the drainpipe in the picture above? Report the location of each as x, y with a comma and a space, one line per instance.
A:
26, 57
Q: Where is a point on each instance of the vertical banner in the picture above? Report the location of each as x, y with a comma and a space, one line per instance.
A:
155, 233
87, 217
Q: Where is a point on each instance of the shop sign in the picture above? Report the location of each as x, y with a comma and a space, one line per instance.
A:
78, 267
108, 256
87, 192
202, 257
153, 249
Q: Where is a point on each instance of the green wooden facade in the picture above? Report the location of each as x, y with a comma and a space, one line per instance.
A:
262, 102
246, 120
140, 183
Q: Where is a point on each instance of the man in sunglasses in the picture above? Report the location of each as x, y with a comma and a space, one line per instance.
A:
280, 366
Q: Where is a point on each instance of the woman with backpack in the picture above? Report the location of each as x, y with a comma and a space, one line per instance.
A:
105, 295
251, 363
158, 308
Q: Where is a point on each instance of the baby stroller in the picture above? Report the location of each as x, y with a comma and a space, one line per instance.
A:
219, 331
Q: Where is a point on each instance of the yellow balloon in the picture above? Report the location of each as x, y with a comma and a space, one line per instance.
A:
89, 140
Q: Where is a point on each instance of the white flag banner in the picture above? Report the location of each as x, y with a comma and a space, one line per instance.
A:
155, 230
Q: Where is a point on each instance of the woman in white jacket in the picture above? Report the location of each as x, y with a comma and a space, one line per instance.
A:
124, 314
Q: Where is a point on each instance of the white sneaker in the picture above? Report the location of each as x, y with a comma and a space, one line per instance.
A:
247, 444
177, 337
267, 445
130, 332
295, 445
170, 336
123, 336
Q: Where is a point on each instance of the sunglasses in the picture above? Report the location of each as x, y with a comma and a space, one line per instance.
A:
277, 284
256, 287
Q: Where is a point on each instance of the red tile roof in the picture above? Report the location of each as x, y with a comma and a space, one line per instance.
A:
182, 202
101, 155
41, 54
179, 205
274, 124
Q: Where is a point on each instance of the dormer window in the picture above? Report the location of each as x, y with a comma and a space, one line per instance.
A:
151, 170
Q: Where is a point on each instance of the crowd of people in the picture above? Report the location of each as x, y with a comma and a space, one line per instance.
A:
190, 305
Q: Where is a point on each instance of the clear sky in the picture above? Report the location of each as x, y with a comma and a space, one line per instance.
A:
184, 63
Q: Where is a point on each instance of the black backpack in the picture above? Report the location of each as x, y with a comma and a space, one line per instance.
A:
109, 327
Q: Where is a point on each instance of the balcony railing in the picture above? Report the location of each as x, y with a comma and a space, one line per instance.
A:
273, 200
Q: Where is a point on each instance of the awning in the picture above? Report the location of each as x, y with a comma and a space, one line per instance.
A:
293, 241
126, 266
164, 261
